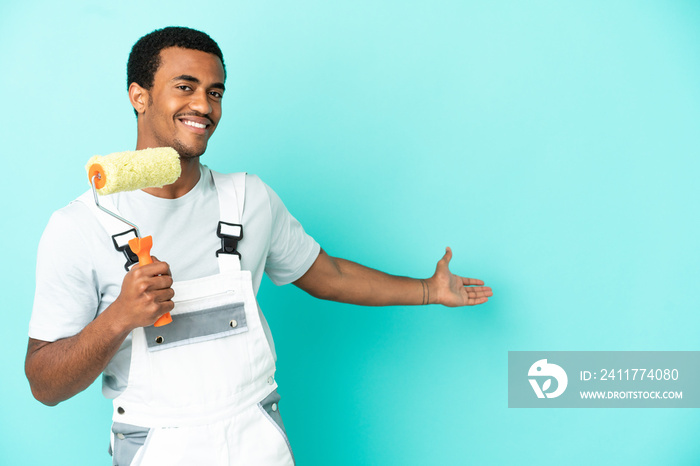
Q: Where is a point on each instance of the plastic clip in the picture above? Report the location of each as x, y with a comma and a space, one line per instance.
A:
121, 243
230, 234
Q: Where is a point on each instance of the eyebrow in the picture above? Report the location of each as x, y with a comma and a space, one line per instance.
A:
187, 77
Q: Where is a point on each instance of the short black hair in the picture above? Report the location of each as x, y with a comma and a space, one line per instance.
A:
144, 58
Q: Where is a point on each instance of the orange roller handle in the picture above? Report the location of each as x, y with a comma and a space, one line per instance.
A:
142, 248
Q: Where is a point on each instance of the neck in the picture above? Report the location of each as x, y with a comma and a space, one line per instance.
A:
188, 179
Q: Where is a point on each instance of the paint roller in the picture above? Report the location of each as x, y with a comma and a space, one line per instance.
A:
129, 171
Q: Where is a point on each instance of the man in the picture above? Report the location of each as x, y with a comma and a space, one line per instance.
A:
200, 390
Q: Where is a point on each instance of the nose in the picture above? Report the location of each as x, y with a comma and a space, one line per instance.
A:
200, 102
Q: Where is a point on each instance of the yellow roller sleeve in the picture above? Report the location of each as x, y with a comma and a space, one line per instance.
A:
132, 170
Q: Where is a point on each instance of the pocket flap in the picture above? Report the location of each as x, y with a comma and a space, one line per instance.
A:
194, 327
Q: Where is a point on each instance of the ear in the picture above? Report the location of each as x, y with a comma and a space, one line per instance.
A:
138, 96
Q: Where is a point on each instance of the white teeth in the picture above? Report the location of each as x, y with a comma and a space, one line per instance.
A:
194, 124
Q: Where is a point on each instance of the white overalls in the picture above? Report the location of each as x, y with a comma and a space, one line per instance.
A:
201, 390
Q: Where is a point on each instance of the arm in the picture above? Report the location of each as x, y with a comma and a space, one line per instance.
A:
58, 370
342, 280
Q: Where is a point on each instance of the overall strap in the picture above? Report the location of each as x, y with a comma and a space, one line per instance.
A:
231, 192
120, 232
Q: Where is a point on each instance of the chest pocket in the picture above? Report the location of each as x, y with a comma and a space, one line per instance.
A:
189, 326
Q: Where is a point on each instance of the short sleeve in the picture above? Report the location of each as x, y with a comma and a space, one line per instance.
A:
66, 297
292, 251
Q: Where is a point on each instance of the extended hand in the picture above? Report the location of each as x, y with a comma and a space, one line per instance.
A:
452, 290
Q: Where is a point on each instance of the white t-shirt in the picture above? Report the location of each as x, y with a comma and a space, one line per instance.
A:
79, 271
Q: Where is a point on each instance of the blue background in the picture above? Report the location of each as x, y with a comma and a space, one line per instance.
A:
554, 146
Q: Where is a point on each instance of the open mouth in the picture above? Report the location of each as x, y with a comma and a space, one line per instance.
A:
198, 126
194, 124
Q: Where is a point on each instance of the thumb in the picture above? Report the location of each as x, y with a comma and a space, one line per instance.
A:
448, 255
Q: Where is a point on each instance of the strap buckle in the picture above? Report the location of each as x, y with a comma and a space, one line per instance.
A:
121, 243
230, 234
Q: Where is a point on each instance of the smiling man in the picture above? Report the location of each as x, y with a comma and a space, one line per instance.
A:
200, 390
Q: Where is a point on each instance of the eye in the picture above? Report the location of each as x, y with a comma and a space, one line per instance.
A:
216, 94
184, 87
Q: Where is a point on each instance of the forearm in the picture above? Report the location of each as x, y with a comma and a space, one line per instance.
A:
369, 287
61, 369
345, 281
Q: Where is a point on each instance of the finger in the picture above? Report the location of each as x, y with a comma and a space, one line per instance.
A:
471, 281
156, 268
473, 293
163, 296
470, 289
476, 301
160, 282
156, 260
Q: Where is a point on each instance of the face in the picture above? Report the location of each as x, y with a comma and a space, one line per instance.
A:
183, 107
